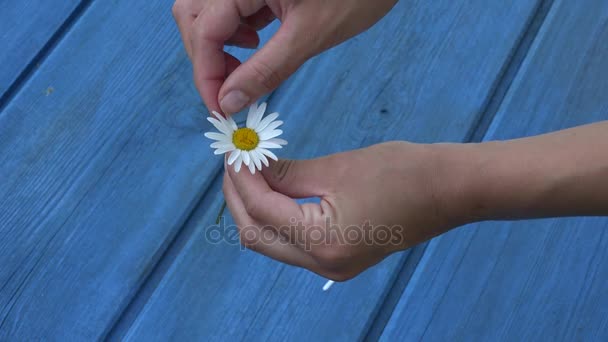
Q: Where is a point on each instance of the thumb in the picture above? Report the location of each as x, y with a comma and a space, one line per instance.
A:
302, 178
280, 57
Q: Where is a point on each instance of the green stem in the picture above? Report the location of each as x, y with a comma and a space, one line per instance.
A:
219, 215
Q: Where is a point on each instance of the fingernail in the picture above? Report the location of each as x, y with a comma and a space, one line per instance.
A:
234, 102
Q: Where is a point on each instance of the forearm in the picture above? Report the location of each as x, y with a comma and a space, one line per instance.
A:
564, 173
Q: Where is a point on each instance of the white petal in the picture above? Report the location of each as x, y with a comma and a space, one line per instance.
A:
221, 126
223, 150
252, 168
266, 135
246, 158
217, 115
261, 157
277, 141
268, 153
256, 159
228, 122
217, 136
222, 121
253, 109
269, 144
272, 125
260, 114
232, 123
233, 156
238, 164
262, 108
255, 115
267, 120
220, 144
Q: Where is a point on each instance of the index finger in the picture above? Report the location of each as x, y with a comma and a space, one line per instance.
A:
262, 203
184, 22
215, 24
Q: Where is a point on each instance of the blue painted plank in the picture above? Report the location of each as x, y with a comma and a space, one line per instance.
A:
98, 176
526, 280
26, 27
424, 73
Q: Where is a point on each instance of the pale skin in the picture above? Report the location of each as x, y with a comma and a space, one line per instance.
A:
416, 191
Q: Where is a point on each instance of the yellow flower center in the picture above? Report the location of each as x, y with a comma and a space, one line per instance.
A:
245, 139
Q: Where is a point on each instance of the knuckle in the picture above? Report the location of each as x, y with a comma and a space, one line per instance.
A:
268, 77
253, 208
177, 8
198, 29
283, 171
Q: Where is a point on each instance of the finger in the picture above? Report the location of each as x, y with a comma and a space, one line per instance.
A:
215, 24
245, 37
261, 19
282, 55
231, 63
263, 241
184, 21
303, 178
262, 203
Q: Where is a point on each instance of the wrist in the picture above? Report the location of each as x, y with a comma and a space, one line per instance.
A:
456, 182
490, 181
517, 179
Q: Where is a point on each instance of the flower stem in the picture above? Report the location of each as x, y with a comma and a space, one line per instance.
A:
219, 215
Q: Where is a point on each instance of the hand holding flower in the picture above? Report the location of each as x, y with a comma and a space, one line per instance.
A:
399, 194
373, 202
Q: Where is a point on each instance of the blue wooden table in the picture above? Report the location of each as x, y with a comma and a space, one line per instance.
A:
109, 192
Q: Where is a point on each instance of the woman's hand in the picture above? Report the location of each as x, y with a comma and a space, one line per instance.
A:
308, 28
374, 201
388, 197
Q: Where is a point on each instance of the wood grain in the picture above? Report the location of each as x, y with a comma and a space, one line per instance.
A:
424, 73
26, 29
526, 280
98, 176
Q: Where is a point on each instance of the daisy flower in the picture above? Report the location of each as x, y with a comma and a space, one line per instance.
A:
249, 145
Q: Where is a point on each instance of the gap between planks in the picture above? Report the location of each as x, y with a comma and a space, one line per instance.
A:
45, 51
476, 134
